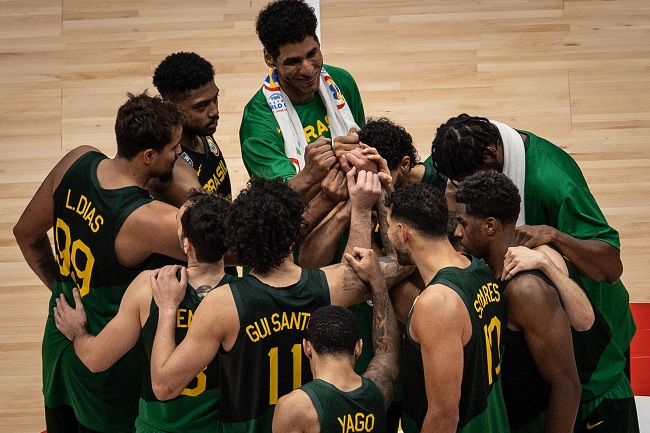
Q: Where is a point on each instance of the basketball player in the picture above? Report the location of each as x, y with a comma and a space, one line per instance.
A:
106, 229
202, 232
257, 323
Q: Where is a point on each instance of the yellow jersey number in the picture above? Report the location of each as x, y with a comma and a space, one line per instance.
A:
297, 371
493, 348
68, 255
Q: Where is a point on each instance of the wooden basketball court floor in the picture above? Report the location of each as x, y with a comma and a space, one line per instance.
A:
574, 72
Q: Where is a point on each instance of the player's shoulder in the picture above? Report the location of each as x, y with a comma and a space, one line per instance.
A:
531, 287
439, 296
71, 157
295, 412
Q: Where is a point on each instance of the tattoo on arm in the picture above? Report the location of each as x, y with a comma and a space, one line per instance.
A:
47, 266
352, 283
384, 367
394, 273
383, 228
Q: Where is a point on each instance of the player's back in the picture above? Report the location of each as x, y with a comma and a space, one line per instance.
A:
266, 360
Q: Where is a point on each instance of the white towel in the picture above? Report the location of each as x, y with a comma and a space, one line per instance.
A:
514, 162
338, 112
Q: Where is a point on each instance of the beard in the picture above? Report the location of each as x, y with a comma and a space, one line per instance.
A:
167, 177
404, 257
191, 131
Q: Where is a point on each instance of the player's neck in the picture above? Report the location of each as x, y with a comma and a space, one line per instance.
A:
430, 256
204, 274
499, 245
415, 174
286, 274
192, 141
338, 371
120, 172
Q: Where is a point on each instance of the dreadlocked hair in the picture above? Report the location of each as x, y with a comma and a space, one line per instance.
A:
460, 144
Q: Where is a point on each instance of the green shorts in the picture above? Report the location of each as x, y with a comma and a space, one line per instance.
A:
614, 412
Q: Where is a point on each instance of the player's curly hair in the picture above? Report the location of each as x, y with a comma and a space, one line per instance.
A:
181, 72
459, 145
205, 224
285, 22
489, 193
333, 330
266, 222
421, 206
391, 141
145, 122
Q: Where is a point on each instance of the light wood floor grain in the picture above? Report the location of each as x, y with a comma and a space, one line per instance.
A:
574, 72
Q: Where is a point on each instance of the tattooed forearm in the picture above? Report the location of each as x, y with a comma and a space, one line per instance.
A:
47, 268
383, 228
384, 367
352, 283
394, 273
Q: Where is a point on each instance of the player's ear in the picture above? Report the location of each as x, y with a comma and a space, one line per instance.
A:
405, 164
148, 156
306, 347
358, 348
268, 58
490, 226
490, 155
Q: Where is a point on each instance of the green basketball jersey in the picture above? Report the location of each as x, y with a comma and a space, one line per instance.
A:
567, 204
210, 167
87, 219
599, 361
360, 410
481, 406
197, 407
267, 361
432, 177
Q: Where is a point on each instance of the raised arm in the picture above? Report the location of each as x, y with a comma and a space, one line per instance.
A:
319, 159
333, 190
534, 307
36, 220
100, 352
176, 191
149, 229
383, 368
347, 289
365, 189
320, 245
576, 304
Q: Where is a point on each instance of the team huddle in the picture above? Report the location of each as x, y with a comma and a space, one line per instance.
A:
349, 287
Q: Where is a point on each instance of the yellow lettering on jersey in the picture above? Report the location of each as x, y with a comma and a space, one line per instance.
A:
360, 422
86, 210
486, 294
321, 127
184, 318
210, 186
310, 133
217, 177
258, 330
280, 321
221, 171
67, 201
